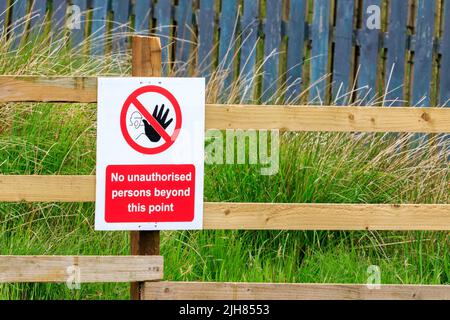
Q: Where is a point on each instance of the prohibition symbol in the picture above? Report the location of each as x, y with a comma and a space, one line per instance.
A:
150, 119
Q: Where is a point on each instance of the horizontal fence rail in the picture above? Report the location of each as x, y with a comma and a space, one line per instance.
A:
84, 269
46, 89
249, 216
284, 118
166, 290
328, 119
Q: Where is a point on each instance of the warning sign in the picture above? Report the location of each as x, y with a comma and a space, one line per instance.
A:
150, 151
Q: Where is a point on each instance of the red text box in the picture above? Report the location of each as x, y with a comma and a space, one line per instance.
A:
150, 193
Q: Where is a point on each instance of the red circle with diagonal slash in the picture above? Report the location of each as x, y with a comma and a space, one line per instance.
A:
133, 99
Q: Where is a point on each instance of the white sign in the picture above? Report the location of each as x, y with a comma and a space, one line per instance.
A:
150, 153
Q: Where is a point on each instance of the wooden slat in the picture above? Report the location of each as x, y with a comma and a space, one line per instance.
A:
119, 28
423, 52
227, 44
3, 15
164, 29
423, 59
343, 52
18, 21
296, 46
206, 24
47, 188
249, 27
396, 53
142, 14
58, 16
320, 31
304, 216
98, 27
254, 216
396, 45
184, 34
84, 269
368, 58
289, 291
57, 89
38, 11
77, 34
272, 42
332, 119
444, 88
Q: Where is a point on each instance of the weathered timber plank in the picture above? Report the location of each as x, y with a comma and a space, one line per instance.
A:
82, 269
289, 291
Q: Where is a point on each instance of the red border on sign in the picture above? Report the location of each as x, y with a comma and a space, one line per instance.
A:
132, 98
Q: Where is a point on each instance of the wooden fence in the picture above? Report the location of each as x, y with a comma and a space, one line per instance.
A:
326, 51
146, 270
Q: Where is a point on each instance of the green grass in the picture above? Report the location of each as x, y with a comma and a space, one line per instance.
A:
314, 167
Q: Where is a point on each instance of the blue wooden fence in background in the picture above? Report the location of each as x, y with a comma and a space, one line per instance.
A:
331, 51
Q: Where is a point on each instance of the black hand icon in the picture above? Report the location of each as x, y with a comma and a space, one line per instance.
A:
150, 132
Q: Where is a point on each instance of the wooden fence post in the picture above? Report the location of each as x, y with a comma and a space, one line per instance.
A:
146, 62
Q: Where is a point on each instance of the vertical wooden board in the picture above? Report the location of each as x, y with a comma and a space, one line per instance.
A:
423, 59
3, 14
184, 35
296, 44
228, 19
18, 21
206, 36
272, 42
249, 26
98, 28
38, 11
77, 30
119, 29
343, 47
146, 62
163, 31
396, 41
142, 16
423, 53
320, 31
58, 16
444, 86
368, 55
